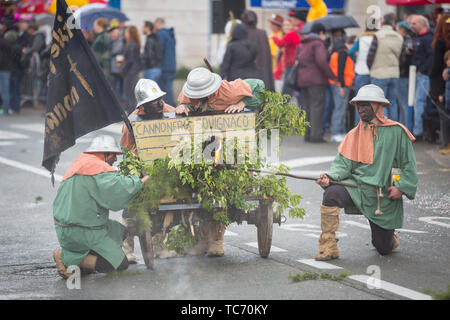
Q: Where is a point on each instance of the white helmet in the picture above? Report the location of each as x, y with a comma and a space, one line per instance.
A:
371, 93
147, 90
103, 143
201, 83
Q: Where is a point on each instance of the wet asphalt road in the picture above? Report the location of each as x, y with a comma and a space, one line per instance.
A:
27, 237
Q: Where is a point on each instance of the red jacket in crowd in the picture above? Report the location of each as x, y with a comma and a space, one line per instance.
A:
289, 42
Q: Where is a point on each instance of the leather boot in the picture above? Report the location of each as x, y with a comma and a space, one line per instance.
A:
201, 247
159, 248
396, 242
216, 232
87, 266
128, 242
328, 248
62, 269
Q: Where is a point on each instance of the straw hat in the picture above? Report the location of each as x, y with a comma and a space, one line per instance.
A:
201, 83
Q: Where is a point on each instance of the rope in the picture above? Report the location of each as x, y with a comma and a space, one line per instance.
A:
443, 112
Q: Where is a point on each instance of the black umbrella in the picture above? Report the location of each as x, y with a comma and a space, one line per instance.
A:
332, 21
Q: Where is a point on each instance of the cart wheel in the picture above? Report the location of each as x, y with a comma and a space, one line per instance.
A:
264, 225
147, 248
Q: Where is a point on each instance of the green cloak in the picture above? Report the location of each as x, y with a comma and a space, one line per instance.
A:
85, 201
392, 149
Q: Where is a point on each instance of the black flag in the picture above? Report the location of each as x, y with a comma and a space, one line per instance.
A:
80, 99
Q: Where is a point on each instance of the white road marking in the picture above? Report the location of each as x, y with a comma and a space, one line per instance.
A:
357, 224
313, 235
34, 127
272, 248
299, 227
8, 135
319, 264
7, 143
431, 220
366, 226
396, 289
307, 161
230, 233
305, 227
79, 140
25, 167
114, 128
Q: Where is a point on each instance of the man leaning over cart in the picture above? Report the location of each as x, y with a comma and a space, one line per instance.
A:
150, 105
206, 91
89, 189
366, 158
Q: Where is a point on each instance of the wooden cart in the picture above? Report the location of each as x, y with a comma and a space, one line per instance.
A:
157, 138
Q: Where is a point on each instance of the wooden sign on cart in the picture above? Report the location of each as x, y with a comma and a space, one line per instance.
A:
155, 139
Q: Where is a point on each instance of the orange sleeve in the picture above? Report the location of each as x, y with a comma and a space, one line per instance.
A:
349, 72
333, 66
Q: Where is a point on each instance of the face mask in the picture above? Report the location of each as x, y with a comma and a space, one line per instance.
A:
153, 108
111, 160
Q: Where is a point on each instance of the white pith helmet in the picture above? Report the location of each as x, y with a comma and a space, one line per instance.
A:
103, 143
371, 93
201, 83
147, 90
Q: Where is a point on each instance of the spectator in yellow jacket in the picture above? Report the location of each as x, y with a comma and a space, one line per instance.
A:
318, 10
276, 23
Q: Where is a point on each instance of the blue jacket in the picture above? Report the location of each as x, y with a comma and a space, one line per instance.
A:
167, 40
423, 52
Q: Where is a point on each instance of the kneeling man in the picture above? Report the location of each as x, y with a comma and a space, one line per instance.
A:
89, 189
366, 158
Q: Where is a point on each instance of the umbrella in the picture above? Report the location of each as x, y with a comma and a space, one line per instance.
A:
87, 15
332, 21
78, 3
414, 2
45, 19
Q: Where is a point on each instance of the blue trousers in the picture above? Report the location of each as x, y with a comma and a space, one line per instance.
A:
340, 108
402, 100
422, 88
166, 85
152, 74
4, 90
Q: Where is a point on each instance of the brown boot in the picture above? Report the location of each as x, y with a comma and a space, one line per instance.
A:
396, 242
128, 243
328, 248
201, 247
159, 248
87, 266
62, 269
216, 231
